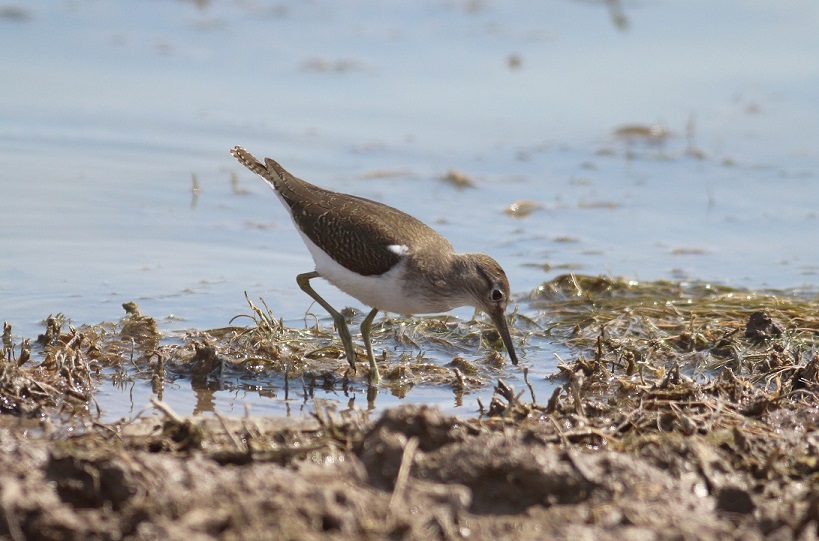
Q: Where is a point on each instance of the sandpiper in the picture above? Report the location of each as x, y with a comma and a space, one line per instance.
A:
383, 257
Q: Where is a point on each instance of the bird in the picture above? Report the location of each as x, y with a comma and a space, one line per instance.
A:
383, 257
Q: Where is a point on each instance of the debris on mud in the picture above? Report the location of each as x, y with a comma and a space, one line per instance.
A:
686, 411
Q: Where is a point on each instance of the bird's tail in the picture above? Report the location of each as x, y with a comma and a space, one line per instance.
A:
248, 160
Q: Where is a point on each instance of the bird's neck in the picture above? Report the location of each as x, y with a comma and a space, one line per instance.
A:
447, 284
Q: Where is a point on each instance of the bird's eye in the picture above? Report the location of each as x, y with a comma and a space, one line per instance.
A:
497, 295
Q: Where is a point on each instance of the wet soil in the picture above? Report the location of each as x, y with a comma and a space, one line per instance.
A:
686, 412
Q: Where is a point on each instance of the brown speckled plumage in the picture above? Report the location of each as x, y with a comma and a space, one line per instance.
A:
355, 231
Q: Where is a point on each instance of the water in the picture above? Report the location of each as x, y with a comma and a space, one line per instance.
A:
110, 110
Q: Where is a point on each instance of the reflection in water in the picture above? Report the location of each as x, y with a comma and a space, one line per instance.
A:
158, 375
205, 396
459, 396
372, 392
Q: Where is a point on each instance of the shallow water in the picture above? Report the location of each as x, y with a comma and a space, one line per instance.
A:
111, 109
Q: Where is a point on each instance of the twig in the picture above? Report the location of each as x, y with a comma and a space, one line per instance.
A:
403, 471
528, 384
230, 434
166, 409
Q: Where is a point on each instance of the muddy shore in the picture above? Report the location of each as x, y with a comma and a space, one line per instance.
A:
675, 420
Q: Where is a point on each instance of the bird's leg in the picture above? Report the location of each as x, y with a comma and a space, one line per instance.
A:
341, 325
365, 334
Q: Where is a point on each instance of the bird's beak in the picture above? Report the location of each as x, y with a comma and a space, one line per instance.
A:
499, 319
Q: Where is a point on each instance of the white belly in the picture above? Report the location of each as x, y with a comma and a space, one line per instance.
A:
385, 291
